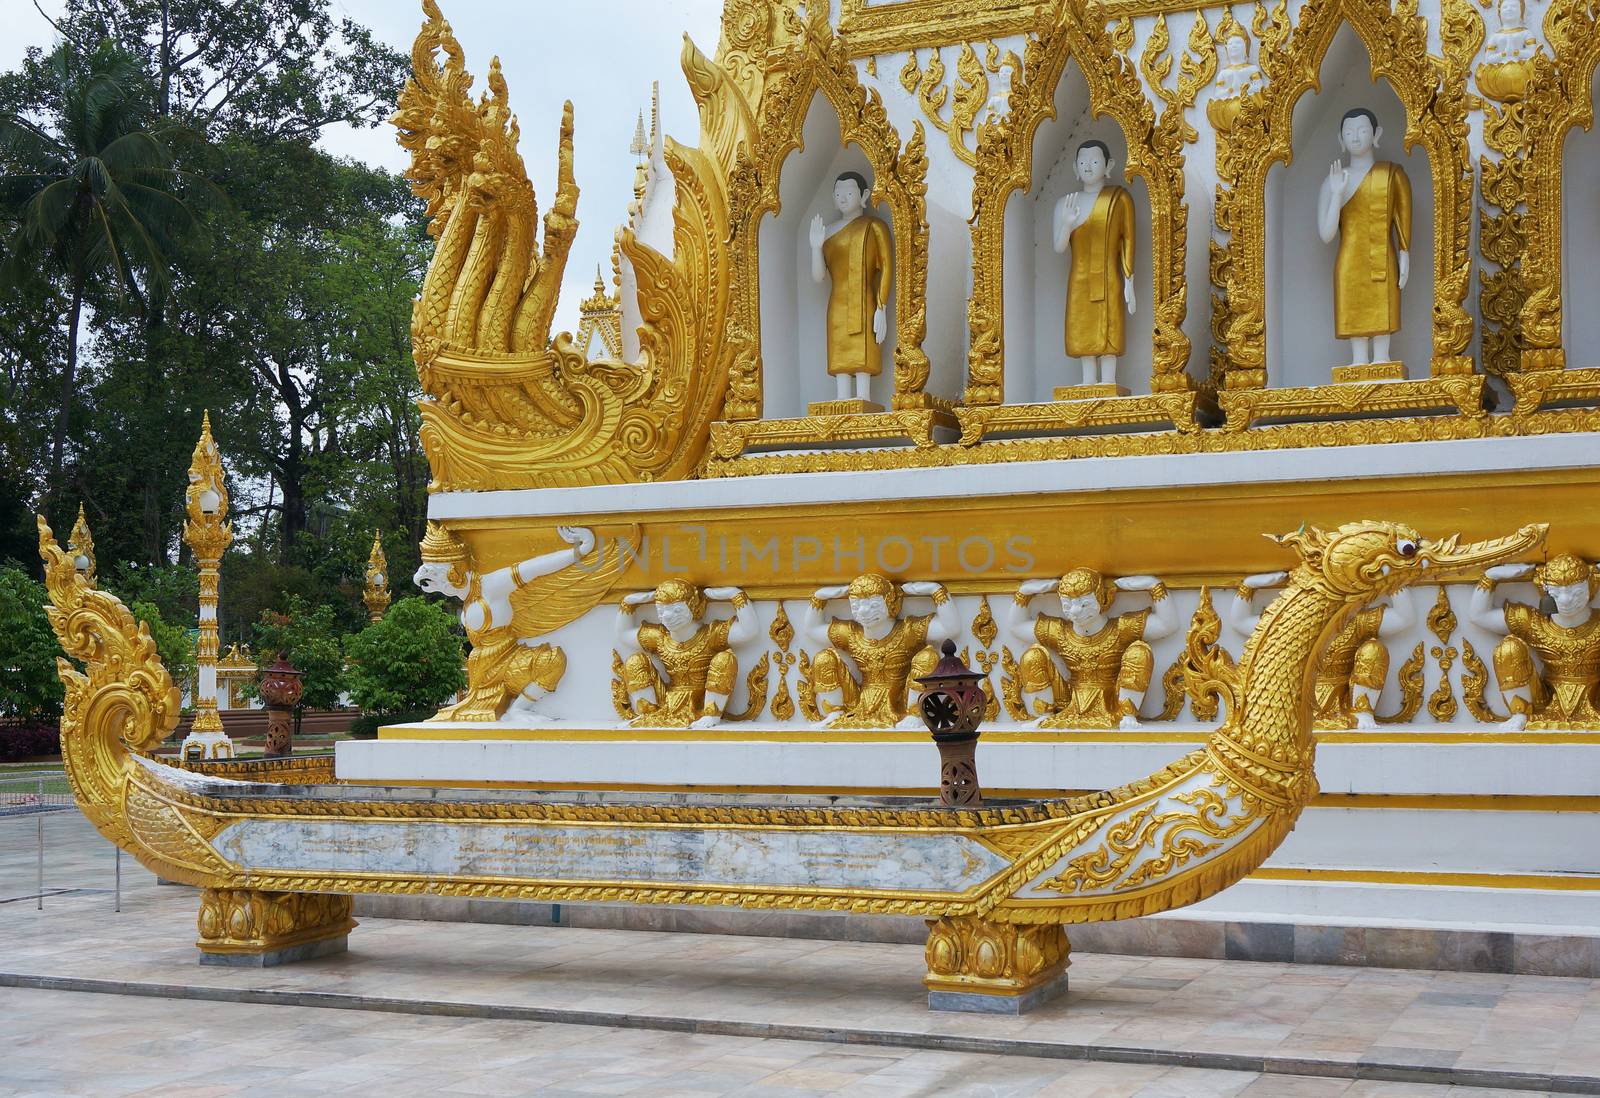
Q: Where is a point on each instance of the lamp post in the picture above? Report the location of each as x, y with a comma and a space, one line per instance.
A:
952, 706
208, 534
376, 596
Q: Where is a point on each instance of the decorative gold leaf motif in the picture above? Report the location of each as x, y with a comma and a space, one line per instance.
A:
619, 690
1474, 687
781, 631
1410, 681
1441, 618
984, 628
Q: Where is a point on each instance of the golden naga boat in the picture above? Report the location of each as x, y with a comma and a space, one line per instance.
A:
278, 860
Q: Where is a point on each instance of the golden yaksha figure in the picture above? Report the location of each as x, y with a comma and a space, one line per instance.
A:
505, 674
679, 670
1508, 59
1096, 223
886, 649
1548, 665
1088, 668
1351, 674
1368, 207
854, 255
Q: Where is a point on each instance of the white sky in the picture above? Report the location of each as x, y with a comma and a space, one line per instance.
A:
601, 54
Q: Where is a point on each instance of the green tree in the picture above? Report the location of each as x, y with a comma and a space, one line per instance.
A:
308, 637
98, 196
29, 685
409, 662
172, 642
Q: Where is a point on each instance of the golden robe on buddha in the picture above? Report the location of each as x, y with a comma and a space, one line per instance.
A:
859, 265
1102, 256
1366, 274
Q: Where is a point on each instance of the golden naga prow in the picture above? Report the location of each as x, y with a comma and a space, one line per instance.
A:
507, 407
277, 861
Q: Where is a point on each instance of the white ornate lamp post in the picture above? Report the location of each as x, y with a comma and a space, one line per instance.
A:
208, 533
376, 595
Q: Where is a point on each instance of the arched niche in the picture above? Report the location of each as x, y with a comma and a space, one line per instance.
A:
1301, 346
1269, 130
1075, 80
794, 307
1580, 235
1035, 286
815, 115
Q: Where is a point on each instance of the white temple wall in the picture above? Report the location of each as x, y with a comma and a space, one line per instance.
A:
1580, 243
1301, 347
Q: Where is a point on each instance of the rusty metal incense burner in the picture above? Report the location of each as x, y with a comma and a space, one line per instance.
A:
280, 690
952, 705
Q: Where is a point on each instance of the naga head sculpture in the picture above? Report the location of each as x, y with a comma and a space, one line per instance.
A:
679, 604
1571, 582
1360, 561
873, 598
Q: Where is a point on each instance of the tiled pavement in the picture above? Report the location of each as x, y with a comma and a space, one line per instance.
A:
715, 1014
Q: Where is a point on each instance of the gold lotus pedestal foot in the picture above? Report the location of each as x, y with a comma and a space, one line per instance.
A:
244, 928
987, 967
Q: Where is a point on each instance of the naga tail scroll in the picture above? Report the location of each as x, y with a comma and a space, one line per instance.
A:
122, 698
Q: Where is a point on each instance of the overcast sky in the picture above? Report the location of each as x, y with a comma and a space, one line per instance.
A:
601, 54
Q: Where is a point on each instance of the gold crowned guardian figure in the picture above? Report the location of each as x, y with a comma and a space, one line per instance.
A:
1548, 665
1097, 224
854, 256
886, 649
1238, 77
1368, 207
1508, 59
679, 670
505, 674
1107, 658
1350, 675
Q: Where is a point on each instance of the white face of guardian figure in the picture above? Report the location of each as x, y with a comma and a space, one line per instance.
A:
1092, 165
1510, 14
869, 611
1236, 52
434, 578
1357, 135
1080, 609
847, 197
676, 616
1569, 598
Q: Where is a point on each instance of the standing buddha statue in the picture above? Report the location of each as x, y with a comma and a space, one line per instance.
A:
1367, 205
1096, 223
854, 256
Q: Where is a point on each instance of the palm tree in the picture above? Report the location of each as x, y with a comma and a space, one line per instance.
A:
93, 195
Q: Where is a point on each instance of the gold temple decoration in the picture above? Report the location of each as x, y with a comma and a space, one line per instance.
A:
506, 407
814, 63
81, 547
1204, 821
208, 533
244, 921
1154, 152
1434, 96
967, 97
998, 958
871, 27
1409, 679
782, 634
376, 592
600, 319
1442, 624
668, 681
1557, 666
1557, 97
1475, 686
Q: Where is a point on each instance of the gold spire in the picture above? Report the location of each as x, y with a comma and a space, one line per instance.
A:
80, 547
377, 595
641, 144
